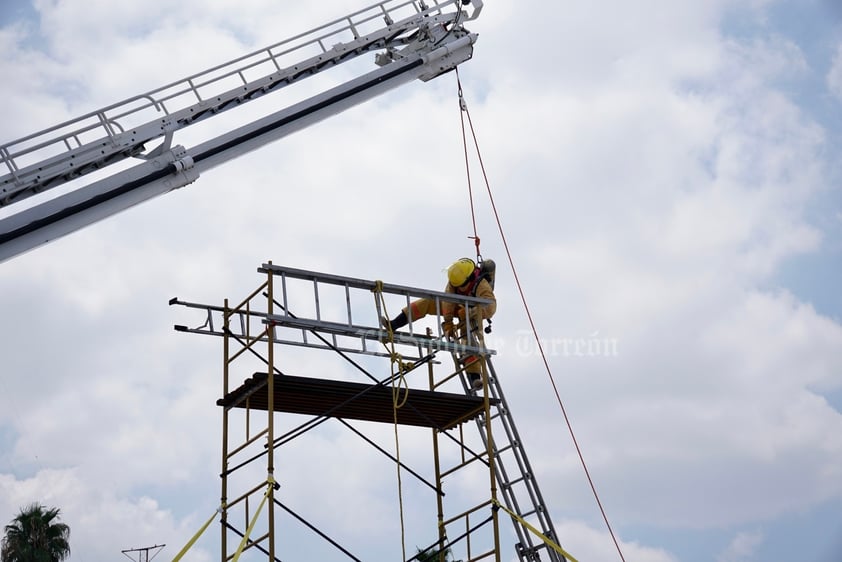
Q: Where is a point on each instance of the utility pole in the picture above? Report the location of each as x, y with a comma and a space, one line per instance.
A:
143, 553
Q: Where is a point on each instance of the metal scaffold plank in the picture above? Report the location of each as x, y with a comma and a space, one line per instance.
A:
349, 400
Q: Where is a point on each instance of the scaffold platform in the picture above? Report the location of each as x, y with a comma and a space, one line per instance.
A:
357, 401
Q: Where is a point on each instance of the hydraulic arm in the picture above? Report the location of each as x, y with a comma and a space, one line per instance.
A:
413, 39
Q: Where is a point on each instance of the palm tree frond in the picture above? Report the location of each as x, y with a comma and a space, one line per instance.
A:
35, 535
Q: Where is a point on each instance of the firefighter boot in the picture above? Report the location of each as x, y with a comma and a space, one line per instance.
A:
398, 322
474, 372
475, 381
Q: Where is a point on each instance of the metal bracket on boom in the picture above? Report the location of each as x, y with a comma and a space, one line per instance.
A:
163, 147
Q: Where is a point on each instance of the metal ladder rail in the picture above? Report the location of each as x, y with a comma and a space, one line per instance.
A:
333, 309
120, 137
243, 324
529, 547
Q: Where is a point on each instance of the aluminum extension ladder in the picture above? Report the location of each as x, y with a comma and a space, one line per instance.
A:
515, 478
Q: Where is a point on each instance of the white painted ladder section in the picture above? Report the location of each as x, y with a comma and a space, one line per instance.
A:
71, 149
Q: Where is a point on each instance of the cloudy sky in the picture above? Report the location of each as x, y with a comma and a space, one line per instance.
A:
667, 179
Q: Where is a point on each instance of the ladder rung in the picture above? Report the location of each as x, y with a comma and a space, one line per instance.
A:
504, 449
528, 513
511, 483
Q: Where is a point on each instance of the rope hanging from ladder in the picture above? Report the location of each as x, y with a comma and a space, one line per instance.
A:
398, 383
463, 112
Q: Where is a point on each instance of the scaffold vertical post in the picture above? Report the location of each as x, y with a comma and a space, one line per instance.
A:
223, 516
270, 469
437, 464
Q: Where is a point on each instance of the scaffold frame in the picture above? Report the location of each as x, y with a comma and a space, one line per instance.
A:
266, 318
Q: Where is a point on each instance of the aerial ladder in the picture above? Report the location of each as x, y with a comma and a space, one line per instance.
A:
411, 39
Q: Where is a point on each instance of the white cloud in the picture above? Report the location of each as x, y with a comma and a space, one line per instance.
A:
586, 543
742, 548
834, 75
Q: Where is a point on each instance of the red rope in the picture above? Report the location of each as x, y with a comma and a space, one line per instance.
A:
464, 109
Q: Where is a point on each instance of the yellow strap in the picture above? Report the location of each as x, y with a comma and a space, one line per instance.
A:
195, 538
540, 535
243, 542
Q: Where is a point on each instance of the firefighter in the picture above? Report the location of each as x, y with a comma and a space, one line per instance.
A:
464, 277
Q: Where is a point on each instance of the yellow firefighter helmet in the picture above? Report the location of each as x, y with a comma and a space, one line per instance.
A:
460, 272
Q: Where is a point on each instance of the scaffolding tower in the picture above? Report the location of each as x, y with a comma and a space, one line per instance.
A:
426, 387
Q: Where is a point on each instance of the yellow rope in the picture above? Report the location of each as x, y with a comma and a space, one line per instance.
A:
192, 541
398, 470
397, 401
535, 531
394, 356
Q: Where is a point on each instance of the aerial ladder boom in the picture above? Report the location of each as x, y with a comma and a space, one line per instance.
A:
413, 39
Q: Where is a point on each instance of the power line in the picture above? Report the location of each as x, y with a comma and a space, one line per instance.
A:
143, 553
